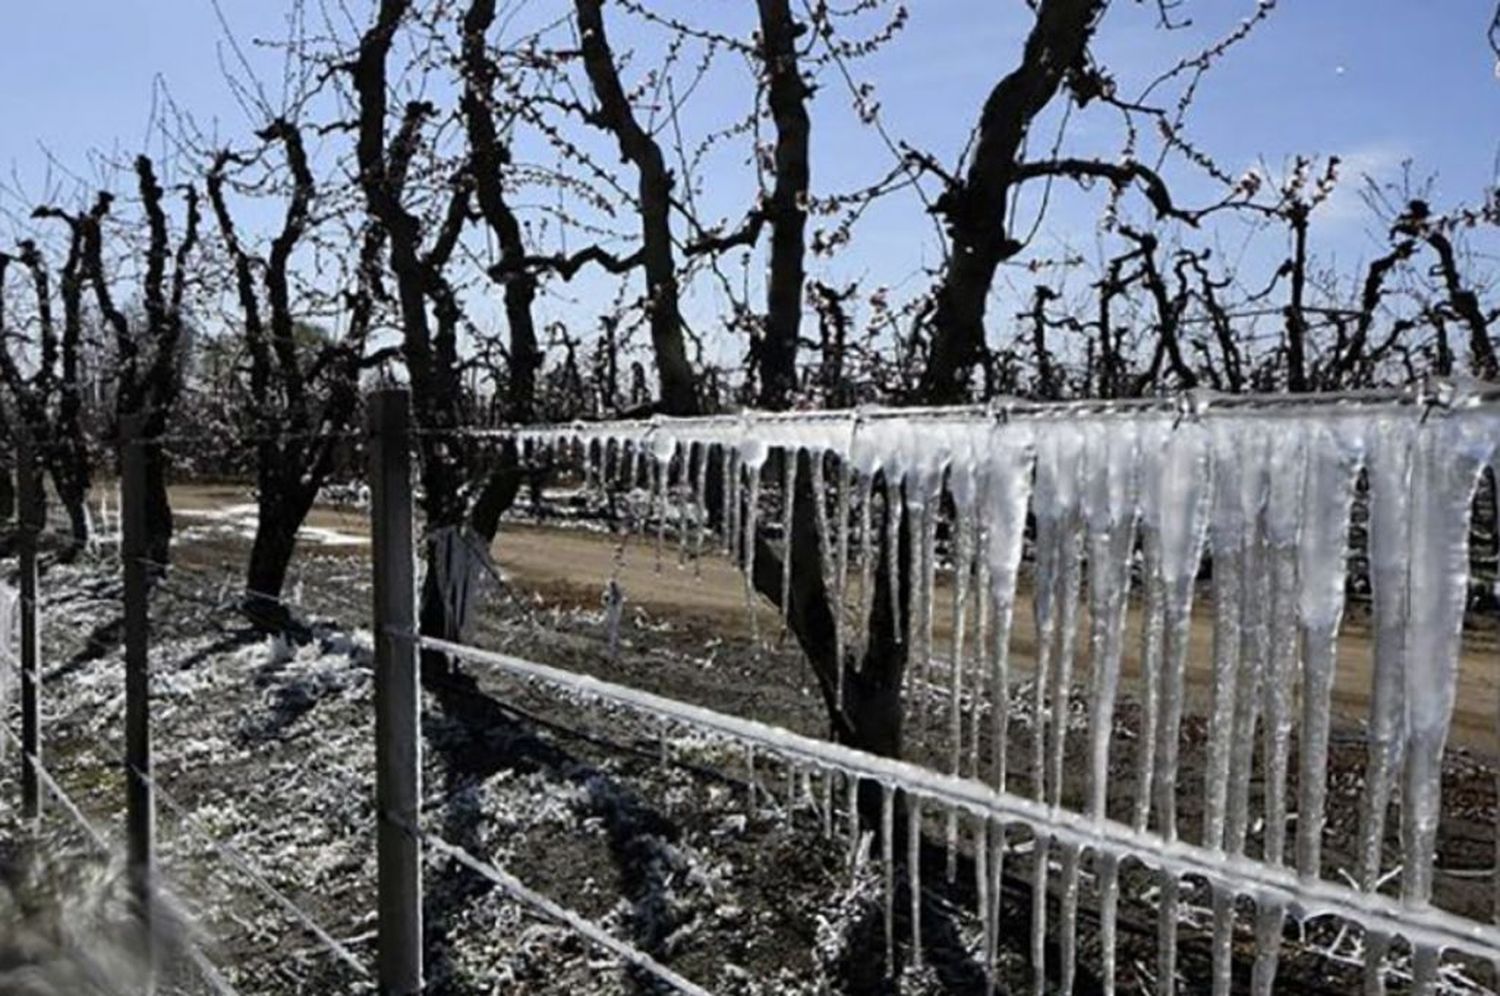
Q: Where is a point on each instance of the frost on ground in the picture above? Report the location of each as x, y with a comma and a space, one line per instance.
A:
264, 758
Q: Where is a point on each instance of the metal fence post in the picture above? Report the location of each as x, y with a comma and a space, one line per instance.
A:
30, 523
397, 696
140, 816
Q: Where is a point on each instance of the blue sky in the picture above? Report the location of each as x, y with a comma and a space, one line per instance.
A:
1373, 81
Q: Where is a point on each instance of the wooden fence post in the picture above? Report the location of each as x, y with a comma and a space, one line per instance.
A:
140, 815
30, 524
397, 696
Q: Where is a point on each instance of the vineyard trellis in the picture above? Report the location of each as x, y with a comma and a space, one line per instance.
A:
1118, 504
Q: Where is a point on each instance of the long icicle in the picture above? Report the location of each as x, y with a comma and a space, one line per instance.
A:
840, 591
932, 503
700, 515
894, 509
1389, 545
1007, 494
753, 462
1334, 459
1283, 520
962, 485
1184, 502
788, 522
869, 550
917, 665
914, 874
1069, 540
1227, 533
1110, 517
1446, 466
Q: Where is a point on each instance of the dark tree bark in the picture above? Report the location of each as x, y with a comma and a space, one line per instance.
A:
654, 189
788, 95
149, 375
48, 402
300, 405
975, 208
488, 158
1296, 315
429, 308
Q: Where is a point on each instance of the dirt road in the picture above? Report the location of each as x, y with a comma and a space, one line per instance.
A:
573, 566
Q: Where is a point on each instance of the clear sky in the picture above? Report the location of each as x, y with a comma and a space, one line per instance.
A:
1375, 82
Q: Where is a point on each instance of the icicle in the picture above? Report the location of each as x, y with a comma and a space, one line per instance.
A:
732, 497
660, 470
1390, 495
1182, 510
1183, 502
983, 651
1449, 455
869, 550
1283, 518
1255, 597
1056, 595
853, 786
1067, 926
894, 507
918, 665
1110, 517
788, 523
1007, 493
962, 485
1151, 646
992, 921
888, 852
982, 885
914, 874
1333, 464
927, 582
1228, 540
700, 514
684, 502
839, 595
1042, 846
828, 779
1109, 913
1227, 532
753, 458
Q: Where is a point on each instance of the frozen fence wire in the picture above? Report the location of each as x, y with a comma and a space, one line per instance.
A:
1269, 883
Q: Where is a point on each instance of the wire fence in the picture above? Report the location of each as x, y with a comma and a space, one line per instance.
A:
1104, 516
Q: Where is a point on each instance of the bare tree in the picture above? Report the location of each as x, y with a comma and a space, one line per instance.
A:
49, 400
150, 351
303, 392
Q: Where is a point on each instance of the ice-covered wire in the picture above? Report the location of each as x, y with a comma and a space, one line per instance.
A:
170, 438
206, 968
1430, 927
1197, 403
247, 868
578, 924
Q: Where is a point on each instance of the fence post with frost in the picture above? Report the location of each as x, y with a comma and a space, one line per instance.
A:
30, 523
140, 809
397, 696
